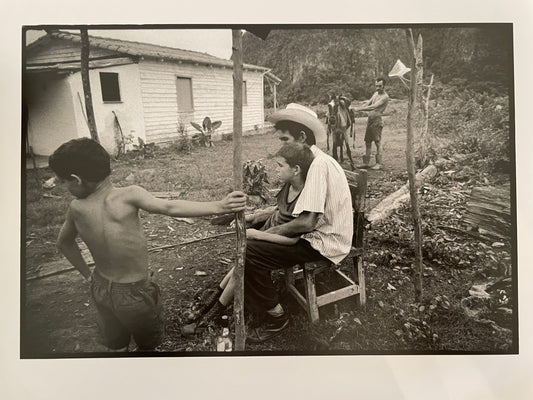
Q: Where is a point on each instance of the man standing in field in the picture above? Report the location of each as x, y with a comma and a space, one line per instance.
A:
376, 107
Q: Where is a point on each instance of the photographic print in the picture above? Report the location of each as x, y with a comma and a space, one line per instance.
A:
268, 190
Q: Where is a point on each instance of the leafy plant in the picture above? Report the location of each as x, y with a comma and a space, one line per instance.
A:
141, 150
255, 179
184, 143
206, 130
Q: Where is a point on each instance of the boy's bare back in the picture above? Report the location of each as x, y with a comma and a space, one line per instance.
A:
108, 223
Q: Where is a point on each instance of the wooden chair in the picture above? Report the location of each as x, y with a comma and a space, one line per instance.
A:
355, 285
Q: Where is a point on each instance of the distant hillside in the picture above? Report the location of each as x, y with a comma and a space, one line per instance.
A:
314, 62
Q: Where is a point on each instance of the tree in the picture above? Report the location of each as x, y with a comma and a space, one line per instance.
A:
87, 84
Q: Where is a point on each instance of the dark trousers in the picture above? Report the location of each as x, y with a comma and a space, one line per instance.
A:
262, 258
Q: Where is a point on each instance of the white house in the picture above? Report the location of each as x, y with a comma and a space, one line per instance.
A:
151, 89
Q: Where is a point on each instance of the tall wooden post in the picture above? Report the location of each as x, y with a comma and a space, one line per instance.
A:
275, 98
425, 141
416, 60
87, 84
238, 302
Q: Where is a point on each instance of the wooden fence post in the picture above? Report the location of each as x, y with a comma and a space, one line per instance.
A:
238, 302
416, 59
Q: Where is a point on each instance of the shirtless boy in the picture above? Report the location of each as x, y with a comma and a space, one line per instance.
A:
106, 219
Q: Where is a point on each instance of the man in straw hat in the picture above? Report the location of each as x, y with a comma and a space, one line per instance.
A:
376, 105
323, 222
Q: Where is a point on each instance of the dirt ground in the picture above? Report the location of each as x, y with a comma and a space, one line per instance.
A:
59, 318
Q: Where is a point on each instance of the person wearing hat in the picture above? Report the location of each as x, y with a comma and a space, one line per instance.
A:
323, 222
376, 105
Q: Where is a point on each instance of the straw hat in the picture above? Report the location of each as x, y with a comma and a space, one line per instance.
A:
303, 115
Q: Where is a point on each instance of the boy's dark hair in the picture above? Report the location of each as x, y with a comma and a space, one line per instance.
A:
297, 154
83, 157
381, 79
294, 128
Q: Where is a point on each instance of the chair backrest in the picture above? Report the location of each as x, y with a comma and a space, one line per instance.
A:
357, 181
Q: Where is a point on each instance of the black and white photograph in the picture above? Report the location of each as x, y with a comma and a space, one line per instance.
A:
275, 200
287, 190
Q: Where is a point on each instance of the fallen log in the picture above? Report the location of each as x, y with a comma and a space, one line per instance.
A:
489, 211
395, 200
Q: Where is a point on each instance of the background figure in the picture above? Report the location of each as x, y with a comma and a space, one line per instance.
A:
376, 105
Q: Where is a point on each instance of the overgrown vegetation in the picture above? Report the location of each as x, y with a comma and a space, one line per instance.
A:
476, 124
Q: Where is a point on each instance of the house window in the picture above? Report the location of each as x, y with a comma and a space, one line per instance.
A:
184, 92
244, 94
110, 87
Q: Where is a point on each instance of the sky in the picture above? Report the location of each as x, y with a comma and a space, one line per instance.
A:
216, 42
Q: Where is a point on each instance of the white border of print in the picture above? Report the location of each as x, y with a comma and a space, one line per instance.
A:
400, 377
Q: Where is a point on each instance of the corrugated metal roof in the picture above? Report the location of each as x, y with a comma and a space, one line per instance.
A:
151, 50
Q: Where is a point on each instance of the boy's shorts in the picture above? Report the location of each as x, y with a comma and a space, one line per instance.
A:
373, 129
128, 309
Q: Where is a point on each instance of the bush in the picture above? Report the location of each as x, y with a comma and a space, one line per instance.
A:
477, 123
184, 143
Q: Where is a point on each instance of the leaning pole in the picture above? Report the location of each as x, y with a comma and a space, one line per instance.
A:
238, 305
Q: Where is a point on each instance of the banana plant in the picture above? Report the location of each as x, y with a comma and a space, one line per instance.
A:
205, 131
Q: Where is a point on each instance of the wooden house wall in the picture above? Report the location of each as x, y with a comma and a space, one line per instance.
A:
212, 89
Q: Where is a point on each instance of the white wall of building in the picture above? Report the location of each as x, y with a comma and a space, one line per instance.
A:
51, 112
129, 110
212, 89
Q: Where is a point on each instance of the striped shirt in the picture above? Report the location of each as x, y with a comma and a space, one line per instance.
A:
326, 192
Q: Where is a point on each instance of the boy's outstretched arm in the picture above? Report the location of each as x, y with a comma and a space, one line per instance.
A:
66, 243
141, 198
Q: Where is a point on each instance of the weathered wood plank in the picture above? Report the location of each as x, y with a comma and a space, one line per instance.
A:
489, 211
336, 295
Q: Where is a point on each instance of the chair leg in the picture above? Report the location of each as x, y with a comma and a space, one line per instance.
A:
310, 294
289, 276
359, 268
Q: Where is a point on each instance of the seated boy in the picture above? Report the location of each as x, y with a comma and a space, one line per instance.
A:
293, 161
107, 219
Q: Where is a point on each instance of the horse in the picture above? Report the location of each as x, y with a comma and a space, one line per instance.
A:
339, 124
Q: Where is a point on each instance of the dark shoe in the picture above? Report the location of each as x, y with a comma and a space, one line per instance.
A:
212, 315
272, 327
276, 324
206, 305
189, 329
